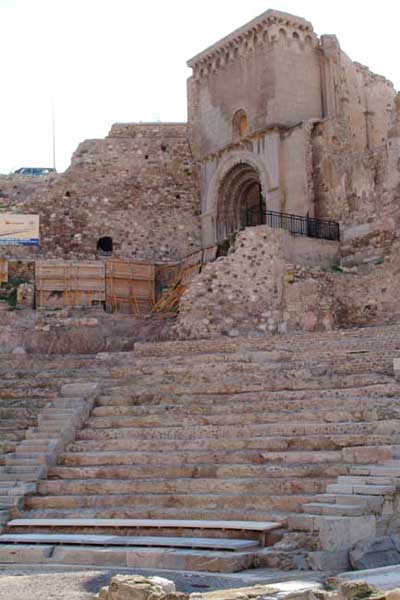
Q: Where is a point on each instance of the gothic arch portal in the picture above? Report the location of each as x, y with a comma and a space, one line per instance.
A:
237, 194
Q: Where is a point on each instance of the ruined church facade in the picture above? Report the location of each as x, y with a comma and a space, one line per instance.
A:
256, 101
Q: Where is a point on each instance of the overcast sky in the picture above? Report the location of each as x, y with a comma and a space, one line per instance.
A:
104, 61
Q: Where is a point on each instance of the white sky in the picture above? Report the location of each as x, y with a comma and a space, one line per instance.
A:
104, 61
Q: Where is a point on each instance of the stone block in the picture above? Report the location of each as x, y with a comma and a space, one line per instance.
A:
86, 555
374, 553
396, 368
77, 390
343, 533
323, 560
25, 554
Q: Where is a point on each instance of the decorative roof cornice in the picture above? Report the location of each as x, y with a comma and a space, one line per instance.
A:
265, 28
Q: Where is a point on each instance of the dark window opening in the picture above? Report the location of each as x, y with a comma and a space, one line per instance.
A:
105, 245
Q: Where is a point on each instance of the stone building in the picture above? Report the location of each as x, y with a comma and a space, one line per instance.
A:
258, 100
280, 122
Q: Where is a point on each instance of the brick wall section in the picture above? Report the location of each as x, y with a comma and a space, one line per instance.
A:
139, 186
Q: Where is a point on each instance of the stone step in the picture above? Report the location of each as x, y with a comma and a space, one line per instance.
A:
233, 545
275, 502
21, 473
166, 471
188, 486
373, 503
345, 510
219, 457
370, 480
26, 447
360, 339
154, 512
217, 409
89, 441
19, 488
129, 396
118, 426
379, 490
206, 524
132, 557
108, 416
265, 532
34, 458
254, 383
337, 525
9, 501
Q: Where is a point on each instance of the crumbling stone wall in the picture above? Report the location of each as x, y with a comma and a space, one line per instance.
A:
256, 290
138, 186
270, 283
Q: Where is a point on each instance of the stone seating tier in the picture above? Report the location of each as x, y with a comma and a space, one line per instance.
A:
247, 429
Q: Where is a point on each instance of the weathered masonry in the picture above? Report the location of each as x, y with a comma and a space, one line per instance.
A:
255, 99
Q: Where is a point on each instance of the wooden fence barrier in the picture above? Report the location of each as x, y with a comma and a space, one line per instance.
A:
3, 270
130, 286
69, 283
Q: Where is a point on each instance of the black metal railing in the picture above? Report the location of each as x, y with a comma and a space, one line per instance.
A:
306, 226
232, 222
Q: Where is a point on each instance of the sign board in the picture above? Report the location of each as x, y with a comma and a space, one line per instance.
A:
19, 230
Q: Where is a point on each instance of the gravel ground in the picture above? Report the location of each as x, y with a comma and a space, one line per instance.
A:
60, 583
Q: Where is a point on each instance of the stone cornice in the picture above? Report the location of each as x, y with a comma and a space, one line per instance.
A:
265, 28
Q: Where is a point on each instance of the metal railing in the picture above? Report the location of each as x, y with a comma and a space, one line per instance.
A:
295, 224
305, 226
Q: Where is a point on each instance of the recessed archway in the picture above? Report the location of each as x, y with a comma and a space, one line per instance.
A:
240, 200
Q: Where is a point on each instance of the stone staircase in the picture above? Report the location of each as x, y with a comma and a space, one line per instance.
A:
239, 431
36, 420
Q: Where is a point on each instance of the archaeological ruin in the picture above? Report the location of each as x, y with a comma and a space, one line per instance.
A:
200, 326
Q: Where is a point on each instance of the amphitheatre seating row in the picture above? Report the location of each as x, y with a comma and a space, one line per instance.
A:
243, 430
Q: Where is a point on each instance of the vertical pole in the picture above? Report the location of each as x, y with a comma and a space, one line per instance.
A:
53, 133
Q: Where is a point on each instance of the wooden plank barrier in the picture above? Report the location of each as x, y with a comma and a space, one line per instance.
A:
3, 270
130, 286
62, 283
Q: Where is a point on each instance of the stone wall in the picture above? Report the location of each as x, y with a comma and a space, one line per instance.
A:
273, 282
256, 290
138, 186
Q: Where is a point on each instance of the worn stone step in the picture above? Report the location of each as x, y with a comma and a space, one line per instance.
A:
373, 503
167, 471
275, 502
229, 544
34, 458
128, 395
369, 480
379, 490
9, 501
199, 457
188, 486
132, 557
167, 418
98, 441
123, 426
155, 512
345, 510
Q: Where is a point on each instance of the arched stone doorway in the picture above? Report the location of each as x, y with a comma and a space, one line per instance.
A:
240, 200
